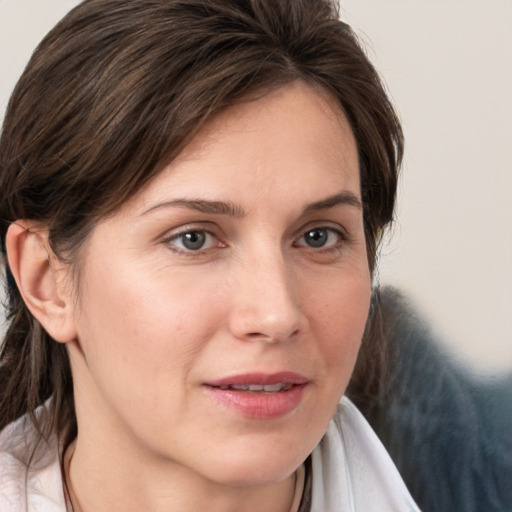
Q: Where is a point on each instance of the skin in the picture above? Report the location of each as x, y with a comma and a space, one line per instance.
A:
153, 320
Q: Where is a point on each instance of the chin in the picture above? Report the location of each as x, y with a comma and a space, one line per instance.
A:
261, 474
258, 464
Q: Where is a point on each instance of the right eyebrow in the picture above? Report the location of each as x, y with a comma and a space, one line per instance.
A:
202, 205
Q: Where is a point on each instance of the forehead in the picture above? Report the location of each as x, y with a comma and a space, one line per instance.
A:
294, 141
294, 113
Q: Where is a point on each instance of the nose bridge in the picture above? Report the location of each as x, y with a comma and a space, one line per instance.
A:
265, 305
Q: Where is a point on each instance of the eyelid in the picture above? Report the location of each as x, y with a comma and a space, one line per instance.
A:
207, 227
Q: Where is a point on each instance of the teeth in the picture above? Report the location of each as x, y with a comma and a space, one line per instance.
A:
273, 387
241, 387
268, 388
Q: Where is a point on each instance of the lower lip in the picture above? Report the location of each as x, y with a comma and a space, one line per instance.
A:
259, 405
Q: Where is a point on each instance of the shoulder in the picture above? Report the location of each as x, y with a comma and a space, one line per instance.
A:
30, 476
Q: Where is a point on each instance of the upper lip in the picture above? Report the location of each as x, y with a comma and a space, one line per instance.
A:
261, 379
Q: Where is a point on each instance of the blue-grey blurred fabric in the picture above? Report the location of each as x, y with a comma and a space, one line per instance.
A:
448, 430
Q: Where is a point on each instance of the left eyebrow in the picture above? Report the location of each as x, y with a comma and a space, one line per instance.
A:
346, 197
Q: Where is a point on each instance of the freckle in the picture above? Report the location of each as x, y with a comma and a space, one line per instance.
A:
179, 328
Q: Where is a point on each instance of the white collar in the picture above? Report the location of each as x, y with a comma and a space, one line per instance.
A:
351, 470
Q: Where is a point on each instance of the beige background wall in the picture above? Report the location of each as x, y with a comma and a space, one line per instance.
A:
448, 65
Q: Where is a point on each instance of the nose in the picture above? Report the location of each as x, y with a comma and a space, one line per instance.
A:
265, 305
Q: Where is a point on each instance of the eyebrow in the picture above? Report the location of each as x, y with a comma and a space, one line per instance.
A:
234, 210
343, 198
204, 206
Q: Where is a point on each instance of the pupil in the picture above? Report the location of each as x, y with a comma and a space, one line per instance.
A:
194, 240
316, 237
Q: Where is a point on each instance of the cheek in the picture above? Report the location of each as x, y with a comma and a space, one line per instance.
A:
338, 316
150, 325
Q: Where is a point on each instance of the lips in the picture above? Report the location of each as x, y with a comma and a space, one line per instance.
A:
257, 395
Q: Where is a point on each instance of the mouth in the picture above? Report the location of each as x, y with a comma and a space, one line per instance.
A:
259, 396
260, 382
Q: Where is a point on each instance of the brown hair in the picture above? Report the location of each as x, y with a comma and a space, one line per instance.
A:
117, 89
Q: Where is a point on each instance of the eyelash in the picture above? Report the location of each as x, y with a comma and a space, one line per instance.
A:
170, 241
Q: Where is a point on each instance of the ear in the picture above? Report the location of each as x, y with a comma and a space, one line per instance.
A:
41, 278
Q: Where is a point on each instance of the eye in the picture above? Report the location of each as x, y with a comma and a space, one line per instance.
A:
193, 241
321, 237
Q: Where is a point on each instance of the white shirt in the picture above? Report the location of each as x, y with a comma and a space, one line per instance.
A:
351, 470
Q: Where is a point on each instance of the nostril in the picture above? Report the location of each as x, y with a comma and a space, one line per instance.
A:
269, 338
257, 335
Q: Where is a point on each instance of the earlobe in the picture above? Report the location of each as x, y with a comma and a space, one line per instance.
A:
40, 278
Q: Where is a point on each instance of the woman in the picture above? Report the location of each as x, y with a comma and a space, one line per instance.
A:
193, 195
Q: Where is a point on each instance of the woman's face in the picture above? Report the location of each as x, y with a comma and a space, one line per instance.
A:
242, 265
